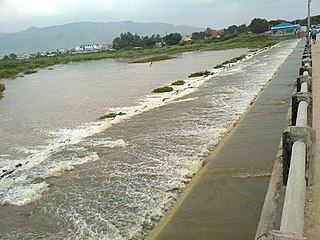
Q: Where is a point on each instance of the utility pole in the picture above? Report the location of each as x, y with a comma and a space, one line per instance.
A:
308, 27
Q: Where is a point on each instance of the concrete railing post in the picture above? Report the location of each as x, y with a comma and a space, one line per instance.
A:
307, 68
306, 61
307, 135
306, 55
304, 79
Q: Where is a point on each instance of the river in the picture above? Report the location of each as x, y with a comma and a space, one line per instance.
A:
75, 177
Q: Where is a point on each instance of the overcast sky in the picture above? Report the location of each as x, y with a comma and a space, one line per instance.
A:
17, 15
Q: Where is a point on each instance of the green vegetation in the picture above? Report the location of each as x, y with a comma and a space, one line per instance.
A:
178, 83
32, 71
199, 74
259, 25
154, 59
172, 39
12, 68
128, 41
2, 87
111, 115
219, 66
232, 60
162, 90
108, 115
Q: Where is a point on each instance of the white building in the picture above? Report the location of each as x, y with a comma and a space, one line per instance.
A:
90, 47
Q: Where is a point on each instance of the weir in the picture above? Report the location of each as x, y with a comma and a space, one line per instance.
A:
210, 208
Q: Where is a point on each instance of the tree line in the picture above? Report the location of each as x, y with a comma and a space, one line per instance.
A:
133, 41
128, 40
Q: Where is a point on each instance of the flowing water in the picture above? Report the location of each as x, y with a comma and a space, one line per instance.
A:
66, 175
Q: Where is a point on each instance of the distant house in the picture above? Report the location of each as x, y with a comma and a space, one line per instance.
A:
216, 33
107, 47
186, 38
90, 47
285, 30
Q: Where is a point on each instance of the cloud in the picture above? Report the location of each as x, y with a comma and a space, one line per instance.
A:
21, 14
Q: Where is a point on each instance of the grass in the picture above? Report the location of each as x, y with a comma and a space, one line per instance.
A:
236, 59
154, 59
162, 90
219, 66
108, 115
2, 87
32, 71
199, 74
12, 68
178, 83
111, 115
232, 60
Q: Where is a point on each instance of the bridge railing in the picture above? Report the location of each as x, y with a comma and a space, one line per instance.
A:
298, 142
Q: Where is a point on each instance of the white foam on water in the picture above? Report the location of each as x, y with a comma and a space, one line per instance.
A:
56, 170
18, 188
85, 230
186, 100
107, 143
22, 195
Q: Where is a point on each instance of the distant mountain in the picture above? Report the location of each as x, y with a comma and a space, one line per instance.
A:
64, 36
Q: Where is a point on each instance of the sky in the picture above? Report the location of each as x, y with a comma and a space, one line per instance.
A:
18, 15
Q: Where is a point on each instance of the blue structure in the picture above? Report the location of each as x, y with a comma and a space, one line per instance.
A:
284, 30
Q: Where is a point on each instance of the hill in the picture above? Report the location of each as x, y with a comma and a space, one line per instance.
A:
73, 34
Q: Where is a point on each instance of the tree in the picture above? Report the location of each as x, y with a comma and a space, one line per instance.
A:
273, 23
233, 29
201, 35
5, 57
172, 38
130, 41
243, 28
259, 25
126, 41
13, 56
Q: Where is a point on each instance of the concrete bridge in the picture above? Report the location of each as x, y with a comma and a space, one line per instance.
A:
289, 207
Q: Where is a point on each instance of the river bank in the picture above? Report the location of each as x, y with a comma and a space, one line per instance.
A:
14, 68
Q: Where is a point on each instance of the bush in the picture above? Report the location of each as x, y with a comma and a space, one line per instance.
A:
162, 90
178, 83
30, 71
218, 66
233, 60
2, 87
199, 74
108, 115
